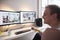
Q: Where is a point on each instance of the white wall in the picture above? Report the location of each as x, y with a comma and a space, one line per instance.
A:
21, 5
18, 5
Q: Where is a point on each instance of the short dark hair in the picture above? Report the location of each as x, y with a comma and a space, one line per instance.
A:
54, 9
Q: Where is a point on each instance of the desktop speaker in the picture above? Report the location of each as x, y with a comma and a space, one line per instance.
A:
38, 22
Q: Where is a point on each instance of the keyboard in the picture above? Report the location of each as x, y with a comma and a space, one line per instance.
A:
20, 32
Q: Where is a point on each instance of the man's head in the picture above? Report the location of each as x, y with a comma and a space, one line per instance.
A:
51, 14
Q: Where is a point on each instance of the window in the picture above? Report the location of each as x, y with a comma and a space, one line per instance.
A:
49, 2
44, 3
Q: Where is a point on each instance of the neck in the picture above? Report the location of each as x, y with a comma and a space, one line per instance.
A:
55, 24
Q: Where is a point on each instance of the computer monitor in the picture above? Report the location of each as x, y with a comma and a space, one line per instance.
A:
8, 17
27, 16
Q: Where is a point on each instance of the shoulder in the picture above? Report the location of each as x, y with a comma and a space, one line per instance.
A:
49, 30
51, 34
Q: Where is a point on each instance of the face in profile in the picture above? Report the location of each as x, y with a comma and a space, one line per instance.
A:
48, 18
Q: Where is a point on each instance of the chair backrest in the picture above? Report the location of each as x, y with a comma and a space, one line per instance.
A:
37, 37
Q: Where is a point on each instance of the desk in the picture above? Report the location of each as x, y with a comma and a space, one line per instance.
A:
24, 36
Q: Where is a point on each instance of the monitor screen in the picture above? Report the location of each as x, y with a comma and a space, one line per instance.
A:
13, 17
27, 16
7, 17
3, 17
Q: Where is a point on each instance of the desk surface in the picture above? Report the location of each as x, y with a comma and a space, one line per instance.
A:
14, 36
29, 34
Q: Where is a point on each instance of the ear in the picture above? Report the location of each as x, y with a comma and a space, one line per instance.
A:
55, 15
